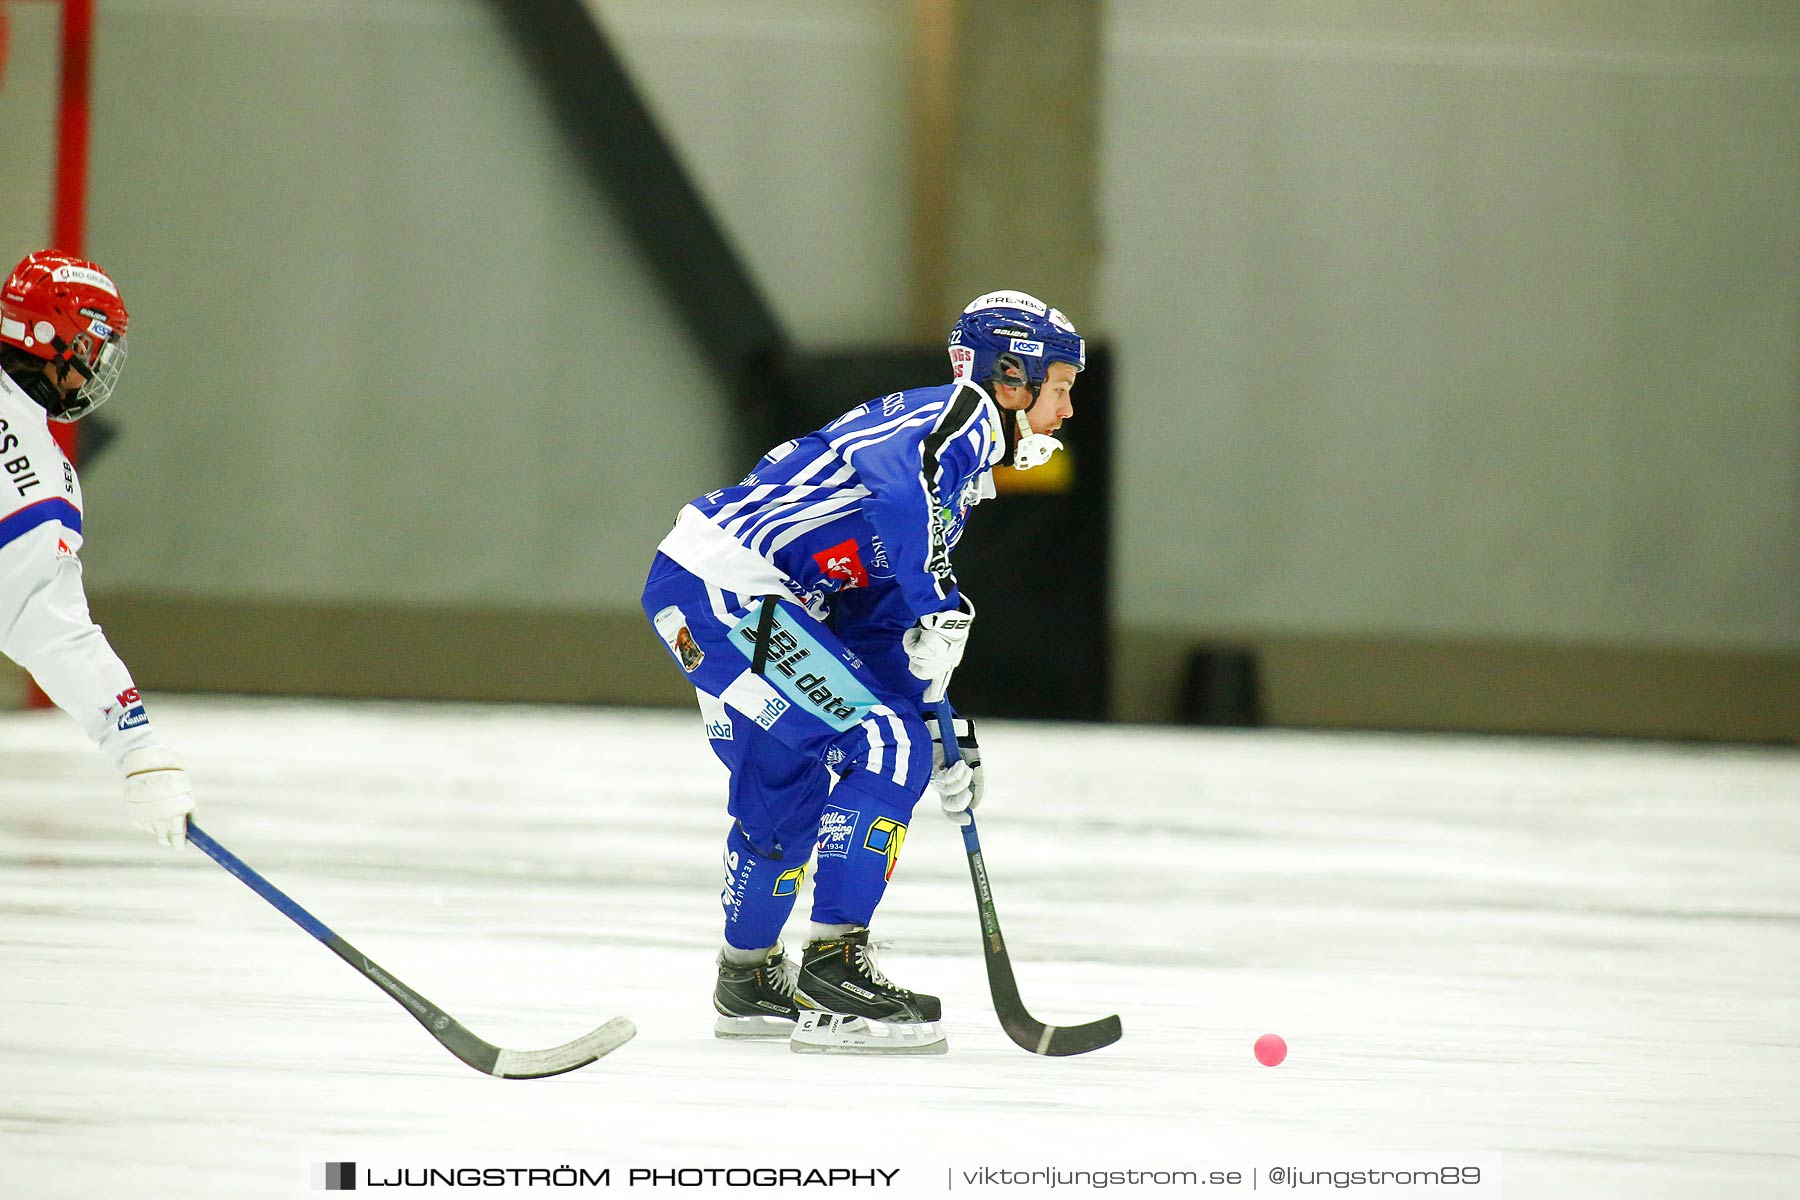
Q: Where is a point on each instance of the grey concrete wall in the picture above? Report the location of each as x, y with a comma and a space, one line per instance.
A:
1457, 320
387, 346
791, 116
28, 130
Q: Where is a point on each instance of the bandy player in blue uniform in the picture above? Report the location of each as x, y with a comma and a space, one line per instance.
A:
814, 609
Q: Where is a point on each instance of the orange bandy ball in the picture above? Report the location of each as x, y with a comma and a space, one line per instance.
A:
1270, 1049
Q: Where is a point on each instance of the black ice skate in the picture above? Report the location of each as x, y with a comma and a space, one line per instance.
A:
847, 1004
756, 1000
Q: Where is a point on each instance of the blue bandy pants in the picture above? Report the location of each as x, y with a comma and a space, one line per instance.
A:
789, 708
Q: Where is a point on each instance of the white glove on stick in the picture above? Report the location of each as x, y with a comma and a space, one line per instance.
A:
959, 784
934, 646
157, 795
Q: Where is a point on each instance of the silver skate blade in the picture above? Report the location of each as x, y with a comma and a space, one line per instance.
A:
834, 1033
752, 1027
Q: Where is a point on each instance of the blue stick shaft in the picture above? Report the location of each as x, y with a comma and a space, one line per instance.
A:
946, 717
262, 887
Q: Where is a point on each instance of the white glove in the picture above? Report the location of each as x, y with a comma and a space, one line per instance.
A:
157, 796
959, 784
934, 646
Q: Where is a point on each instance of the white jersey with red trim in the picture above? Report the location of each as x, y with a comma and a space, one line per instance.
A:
44, 621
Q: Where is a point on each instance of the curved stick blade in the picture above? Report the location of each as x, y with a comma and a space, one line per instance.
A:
1060, 1041
570, 1056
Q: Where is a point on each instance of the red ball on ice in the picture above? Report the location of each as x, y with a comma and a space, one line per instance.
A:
1270, 1049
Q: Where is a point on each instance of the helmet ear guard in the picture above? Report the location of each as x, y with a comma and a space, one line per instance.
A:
1009, 369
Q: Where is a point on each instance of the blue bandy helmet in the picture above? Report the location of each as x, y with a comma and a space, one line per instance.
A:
1013, 337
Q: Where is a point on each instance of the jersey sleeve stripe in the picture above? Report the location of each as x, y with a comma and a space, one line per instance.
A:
811, 515
920, 418
886, 428
42, 512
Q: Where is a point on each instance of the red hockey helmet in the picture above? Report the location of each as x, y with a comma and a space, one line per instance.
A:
66, 311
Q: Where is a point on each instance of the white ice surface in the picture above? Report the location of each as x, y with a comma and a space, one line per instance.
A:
1581, 957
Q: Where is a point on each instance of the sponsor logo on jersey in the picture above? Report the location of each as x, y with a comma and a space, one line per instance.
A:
818, 689
737, 883
834, 758
132, 718
1024, 346
886, 836
62, 549
843, 561
837, 829
719, 730
804, 669
772, 709
892, 404
672, 624
812, 601
938, 561
788, 882
687, 650
21, 474
785, 651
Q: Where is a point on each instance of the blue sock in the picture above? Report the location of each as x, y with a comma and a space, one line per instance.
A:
759, 891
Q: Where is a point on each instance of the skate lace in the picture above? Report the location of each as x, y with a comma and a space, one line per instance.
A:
865, 958
783, 976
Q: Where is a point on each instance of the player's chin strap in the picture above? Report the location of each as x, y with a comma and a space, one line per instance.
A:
1030, 449
1025, 449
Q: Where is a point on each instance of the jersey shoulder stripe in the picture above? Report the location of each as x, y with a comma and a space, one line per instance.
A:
40, 513
964, 407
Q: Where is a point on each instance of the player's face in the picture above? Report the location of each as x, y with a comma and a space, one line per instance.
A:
1053, 405
66, 376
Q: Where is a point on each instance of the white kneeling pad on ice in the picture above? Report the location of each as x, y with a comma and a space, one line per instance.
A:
820, 1032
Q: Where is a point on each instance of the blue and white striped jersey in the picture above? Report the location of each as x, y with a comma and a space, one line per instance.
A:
876, 499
